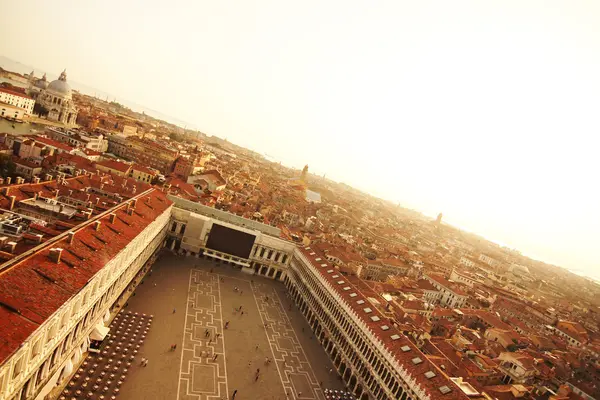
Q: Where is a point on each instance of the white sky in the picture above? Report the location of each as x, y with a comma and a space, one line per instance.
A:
485, 110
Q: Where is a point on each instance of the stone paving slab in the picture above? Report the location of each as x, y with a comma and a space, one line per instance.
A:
205, 299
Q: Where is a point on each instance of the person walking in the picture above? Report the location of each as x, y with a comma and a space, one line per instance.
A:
174, 310
234, 393
143, 361
215, 357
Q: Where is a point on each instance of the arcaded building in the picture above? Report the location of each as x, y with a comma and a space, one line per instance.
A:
58, 285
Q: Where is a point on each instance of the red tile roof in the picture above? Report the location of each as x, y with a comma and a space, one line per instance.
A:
115, 165
32, 287
146, 170
15, 93
91, 152
53, 143
214, 176
454, 287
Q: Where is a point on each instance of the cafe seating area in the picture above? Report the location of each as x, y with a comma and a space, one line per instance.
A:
101, 374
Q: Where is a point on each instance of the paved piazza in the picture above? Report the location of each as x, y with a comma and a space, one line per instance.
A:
192, 300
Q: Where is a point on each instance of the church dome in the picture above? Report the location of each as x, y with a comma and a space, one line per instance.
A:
41, 83
60, 86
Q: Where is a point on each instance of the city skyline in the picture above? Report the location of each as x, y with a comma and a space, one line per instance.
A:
507, 185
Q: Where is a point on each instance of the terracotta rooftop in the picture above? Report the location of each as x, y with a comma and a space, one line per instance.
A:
214, 176
115, 165
447, 284
14, 92
144, 169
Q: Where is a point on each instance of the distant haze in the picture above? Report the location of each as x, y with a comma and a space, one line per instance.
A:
484, 110
16, 66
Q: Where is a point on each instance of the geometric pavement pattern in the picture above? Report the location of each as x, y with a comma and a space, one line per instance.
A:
202, 377
295, 371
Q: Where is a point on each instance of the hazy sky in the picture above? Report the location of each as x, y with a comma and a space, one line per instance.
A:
488, 111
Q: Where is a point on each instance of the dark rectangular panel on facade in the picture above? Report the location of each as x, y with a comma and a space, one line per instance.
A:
230, 241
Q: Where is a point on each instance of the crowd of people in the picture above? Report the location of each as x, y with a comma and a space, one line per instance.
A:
331, 394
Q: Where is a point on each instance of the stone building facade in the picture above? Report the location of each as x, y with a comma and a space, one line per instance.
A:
57, 99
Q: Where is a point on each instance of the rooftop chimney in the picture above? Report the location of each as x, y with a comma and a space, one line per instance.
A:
8, 180
39, 237
12, 202
71, 237
10, 247
55, 254
36, 179
113, 216
48, 177
19, 180
97, 225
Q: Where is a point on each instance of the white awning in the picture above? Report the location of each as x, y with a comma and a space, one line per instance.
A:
99, 332
85, 345
76, 355
68, 370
